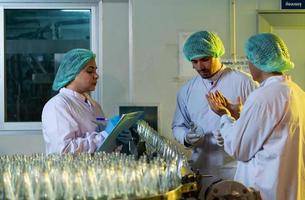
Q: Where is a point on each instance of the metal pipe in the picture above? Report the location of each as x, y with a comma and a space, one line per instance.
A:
233, 29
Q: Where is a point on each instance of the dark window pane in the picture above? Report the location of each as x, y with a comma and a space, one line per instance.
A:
35, 40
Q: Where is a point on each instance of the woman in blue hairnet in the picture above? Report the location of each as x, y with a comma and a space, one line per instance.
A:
268, 138
69, 119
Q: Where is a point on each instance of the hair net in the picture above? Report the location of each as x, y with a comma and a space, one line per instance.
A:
268, 52
71, 65
203, 44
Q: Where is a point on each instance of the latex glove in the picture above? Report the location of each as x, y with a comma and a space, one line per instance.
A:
124, 137
112, 122
218, 137
194, 135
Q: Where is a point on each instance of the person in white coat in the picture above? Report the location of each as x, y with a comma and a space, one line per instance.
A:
268, 139
72, 122
193, 123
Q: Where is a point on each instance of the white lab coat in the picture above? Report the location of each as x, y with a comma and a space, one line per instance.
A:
69, 123
192, 106
268, 140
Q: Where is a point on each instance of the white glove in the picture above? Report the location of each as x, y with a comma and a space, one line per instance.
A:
194, 135
218, 137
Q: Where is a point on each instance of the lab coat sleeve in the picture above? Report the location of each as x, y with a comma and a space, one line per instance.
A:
181, 120
61, 131
247, 87
245, 137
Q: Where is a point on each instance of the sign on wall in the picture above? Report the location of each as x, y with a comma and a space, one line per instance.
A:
293, 4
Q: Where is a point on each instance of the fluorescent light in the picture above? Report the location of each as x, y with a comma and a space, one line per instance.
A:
76, 10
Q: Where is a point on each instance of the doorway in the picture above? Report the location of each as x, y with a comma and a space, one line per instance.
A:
291, 27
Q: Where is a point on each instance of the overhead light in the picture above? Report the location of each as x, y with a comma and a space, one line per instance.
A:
76, 10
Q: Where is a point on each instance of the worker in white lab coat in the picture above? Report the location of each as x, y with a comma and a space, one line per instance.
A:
268, 138
193, 123
72, 121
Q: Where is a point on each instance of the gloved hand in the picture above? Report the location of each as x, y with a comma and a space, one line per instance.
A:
194, 135
112, 122
124, 137
218, 137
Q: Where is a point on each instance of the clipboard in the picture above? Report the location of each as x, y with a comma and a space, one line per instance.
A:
126, 121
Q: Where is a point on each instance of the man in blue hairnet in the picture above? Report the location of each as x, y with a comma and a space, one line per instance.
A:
194, 123
268, 138
72, 121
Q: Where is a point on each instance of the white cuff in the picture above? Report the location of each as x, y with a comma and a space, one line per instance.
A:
103, 135
226, 119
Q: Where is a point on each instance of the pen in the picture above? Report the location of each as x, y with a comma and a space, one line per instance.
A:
101, 119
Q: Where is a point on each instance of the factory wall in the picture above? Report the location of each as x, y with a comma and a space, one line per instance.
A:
140, 59
156, 26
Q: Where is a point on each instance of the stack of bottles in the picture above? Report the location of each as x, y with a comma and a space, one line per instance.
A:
94, 176
157, 144
85, 176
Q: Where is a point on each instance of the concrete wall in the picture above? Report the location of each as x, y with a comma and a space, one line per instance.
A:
152, 76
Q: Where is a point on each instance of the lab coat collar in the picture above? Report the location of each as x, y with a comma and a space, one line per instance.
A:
72, 93
216, 77
273, 79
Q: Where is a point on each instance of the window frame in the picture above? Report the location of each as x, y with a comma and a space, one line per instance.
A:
94, 46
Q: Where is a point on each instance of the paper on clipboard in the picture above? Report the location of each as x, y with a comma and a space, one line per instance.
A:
126, 121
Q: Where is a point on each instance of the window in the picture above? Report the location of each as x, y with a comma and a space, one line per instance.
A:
34, 41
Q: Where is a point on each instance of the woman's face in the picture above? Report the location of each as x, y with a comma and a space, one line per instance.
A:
86, 80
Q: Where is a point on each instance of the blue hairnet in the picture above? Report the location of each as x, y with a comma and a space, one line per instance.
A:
71, 65
203, 44
268, 52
